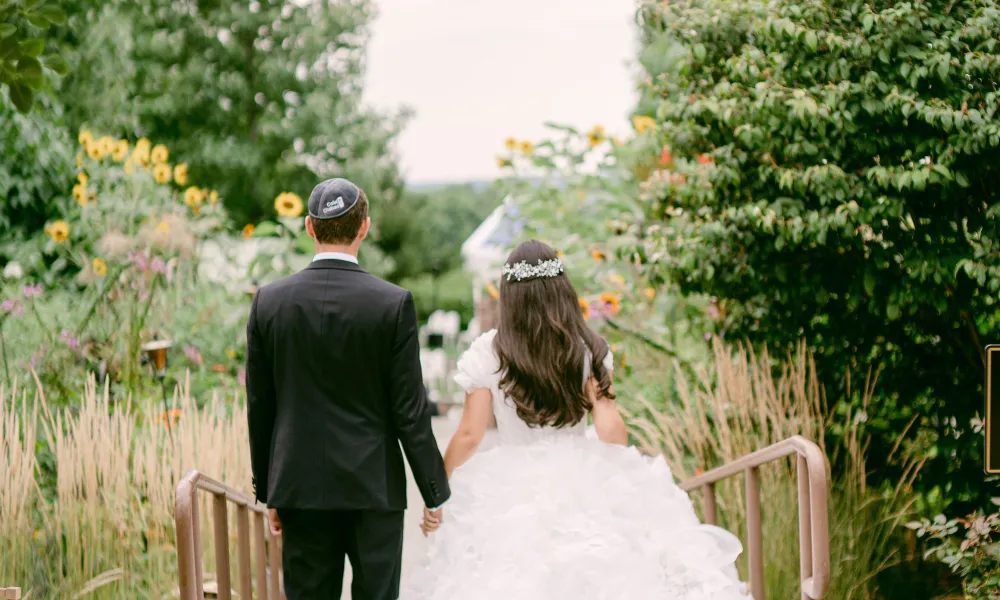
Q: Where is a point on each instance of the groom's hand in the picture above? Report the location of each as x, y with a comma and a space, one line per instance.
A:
432, 520
274, 521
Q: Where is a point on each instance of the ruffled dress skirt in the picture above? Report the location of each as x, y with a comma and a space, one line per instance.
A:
570, 518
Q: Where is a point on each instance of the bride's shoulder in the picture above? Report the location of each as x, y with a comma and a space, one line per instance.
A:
479, 366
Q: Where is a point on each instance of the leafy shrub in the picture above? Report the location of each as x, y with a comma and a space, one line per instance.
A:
970, 547
843, 192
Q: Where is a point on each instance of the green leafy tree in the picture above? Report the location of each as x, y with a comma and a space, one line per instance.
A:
263, 97
23, 56
829, 172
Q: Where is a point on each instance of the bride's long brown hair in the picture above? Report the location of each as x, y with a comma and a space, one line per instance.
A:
542, 342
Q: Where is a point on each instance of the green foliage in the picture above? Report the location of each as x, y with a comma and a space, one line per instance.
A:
23, 56
844, 193
970, 547
452, 291
261, 97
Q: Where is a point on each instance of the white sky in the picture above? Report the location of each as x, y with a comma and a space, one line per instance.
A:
478, 71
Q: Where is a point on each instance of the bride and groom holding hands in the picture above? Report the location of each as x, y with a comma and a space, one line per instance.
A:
335, 398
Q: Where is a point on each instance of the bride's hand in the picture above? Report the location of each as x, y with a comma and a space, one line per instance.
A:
432, 520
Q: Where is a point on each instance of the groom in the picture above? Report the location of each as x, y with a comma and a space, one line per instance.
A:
334, 388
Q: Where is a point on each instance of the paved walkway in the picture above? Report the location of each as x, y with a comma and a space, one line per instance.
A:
414, 543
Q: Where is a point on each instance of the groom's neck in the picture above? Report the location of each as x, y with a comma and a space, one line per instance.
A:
349, 249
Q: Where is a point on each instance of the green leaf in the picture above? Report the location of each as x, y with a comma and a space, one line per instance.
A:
961, 179
699, 51
867, 21
57, 64
23, 97
266, 229
892, 312
811, 40
869, 282
38, 21
7, 30
32, 47
29, 67
54, 15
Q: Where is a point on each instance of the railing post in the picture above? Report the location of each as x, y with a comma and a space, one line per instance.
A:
805, 524
243, 549
186, 528
221, 522
711, 512
260, 555
755, 541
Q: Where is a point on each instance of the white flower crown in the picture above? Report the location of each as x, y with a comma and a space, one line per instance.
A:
522, 270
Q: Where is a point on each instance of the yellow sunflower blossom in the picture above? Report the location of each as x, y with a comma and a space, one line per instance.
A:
195, 210
213, 197
162, 173
643, 123
80, 194
58, 231
585, 307
503, 163
79, 160
510, 143
82, 178
597, 254
248, 230
492, 291
163, 226
526, 148
159, 155
99, 266
650, 293
106, 144
231, 354
129, 166
617, 279
141, 152
120, 151
181, 174
193, 196
288, 205
94, 151
596, 135
85, 138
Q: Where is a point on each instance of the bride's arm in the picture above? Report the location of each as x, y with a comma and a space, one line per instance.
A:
608, 421
476, 418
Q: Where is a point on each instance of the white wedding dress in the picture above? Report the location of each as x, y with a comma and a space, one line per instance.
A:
552, 514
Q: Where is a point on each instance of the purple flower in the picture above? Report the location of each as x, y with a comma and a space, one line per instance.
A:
32, 291
158, 266
192, 354
7, 306
241, 376
12, 307
69, 339
708, 337
138, 259
712, 311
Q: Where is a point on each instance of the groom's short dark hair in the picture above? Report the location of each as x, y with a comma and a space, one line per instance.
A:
344, 229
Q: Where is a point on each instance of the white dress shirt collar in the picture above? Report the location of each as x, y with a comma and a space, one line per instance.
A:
336, 256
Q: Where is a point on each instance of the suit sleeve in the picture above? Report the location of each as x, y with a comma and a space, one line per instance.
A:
261, 403
411, 411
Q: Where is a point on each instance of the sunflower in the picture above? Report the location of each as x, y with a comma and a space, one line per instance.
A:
106, 144
585, 307
85, 138
650, 293
163, 226
162, 173
597, 254
503, 162
288, 205
100, 267
248, 230
617, 279
58, 231
129, 166
159, 155
193, 196
510, 143
492, 291
611, 302
181, 174
526, 148
80, 194
643, 123
82, 178
79, 160
120, 151
141, 153
231, 353
596, 136
213, 197
94, 151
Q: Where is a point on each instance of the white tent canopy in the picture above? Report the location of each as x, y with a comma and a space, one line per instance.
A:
485, 250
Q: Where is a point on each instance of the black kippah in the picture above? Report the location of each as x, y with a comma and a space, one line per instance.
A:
333, 198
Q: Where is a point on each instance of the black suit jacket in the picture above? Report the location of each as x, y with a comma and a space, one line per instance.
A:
334, 387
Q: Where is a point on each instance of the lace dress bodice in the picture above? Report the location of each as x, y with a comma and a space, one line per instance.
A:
479, 368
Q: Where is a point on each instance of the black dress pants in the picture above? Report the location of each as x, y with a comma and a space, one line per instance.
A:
315, 543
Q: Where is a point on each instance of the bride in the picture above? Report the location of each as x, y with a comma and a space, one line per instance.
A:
549, 513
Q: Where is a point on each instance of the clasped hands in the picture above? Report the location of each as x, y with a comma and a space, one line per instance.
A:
431, 522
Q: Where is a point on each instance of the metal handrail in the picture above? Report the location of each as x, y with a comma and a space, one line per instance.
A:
814, 536
189, 552
11, 593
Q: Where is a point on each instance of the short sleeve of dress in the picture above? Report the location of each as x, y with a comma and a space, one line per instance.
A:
478, 367
609, 361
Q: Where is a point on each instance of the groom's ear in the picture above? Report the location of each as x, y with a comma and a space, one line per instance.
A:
364, 228
309, 227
